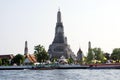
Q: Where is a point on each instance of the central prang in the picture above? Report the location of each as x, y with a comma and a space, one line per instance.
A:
59, 46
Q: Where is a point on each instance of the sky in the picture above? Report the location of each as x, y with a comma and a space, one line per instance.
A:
97, 21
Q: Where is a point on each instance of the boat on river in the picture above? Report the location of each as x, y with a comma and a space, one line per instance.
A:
105, 66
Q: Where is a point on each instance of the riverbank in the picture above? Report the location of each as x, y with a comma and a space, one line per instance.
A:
66, 66
15, 67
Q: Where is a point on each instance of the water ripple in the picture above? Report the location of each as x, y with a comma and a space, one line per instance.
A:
73, 74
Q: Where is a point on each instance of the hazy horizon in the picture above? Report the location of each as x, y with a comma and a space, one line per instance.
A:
97, 21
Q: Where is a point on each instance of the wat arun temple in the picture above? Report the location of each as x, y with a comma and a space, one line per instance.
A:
59, 47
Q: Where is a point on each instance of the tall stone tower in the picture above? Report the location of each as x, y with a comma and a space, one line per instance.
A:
89, 46
59, 46
26, 48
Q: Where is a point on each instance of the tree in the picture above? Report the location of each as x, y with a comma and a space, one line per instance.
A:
115, 54
70, 60
0, 62
41, 53
5, 61
90, 56
107, 56
18, 59
98, 54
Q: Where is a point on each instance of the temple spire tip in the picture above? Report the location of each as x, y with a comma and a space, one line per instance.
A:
59, 16
59, 9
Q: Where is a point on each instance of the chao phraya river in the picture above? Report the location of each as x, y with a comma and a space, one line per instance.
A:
68, 74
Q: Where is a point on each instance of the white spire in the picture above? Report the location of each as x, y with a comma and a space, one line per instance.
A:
26, 48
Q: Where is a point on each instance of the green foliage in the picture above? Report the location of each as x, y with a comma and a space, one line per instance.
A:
5, 61
90, 56
95, 54
41, 53
70, 60
0, 62
54, 59
98, 54
116, 54
107, 56
18, 59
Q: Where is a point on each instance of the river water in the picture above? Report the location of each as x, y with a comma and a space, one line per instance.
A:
68, 74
